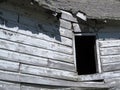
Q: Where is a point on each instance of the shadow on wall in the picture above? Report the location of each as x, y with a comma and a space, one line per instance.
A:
48, 25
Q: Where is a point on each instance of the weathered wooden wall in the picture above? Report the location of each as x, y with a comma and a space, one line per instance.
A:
36, 48
109, 47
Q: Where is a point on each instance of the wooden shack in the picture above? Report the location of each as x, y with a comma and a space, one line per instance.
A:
59, 45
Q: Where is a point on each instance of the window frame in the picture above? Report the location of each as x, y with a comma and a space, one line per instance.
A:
97, 51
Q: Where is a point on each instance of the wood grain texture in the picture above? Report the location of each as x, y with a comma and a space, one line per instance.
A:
61, 65
110, 43
34, 32
4, 44
99, 76
110, 59
42, 71
36, 61
23, 58
19, 38
9, 86
24, 78
111, 66
110, 51
8, 65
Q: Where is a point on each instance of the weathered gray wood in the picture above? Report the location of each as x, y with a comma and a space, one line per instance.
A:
110, 59
34, 32
9, 76
16, 77
42, 71
110, 43
37, 61
98, 61
55, 82
35, 51
61, 65
111, 66
65, 24
33, 19
99, 76
24, 87
13, 36
66, 33
76, 27
23, 58
61, 40
68, 16
110, 51
108, 80
90, 77
113, 83
10, 66
9, 86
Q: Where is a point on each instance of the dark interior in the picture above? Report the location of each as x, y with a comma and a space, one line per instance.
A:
85, 54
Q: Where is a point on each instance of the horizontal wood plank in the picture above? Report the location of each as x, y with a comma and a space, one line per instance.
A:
99, 76
9, 86
61, 65
13, 36
23, 78
4, 44
110, 59
51, 25
42, 71
110, 51
66, 33
23, 58
111, 66
10, 66
109, 43
34, 32
36, 61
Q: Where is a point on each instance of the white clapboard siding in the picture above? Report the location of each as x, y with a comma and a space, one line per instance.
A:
9, 86
65, 24
111, 66
38, 80
61, 65
34, 32
34, 70
4, 34
45, 36
110, 51
99, 76
4, 44
36, 61
66, 33
109, 43
10, 66
22, 58
110, 59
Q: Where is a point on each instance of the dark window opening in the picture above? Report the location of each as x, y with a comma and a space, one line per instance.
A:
85, 54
